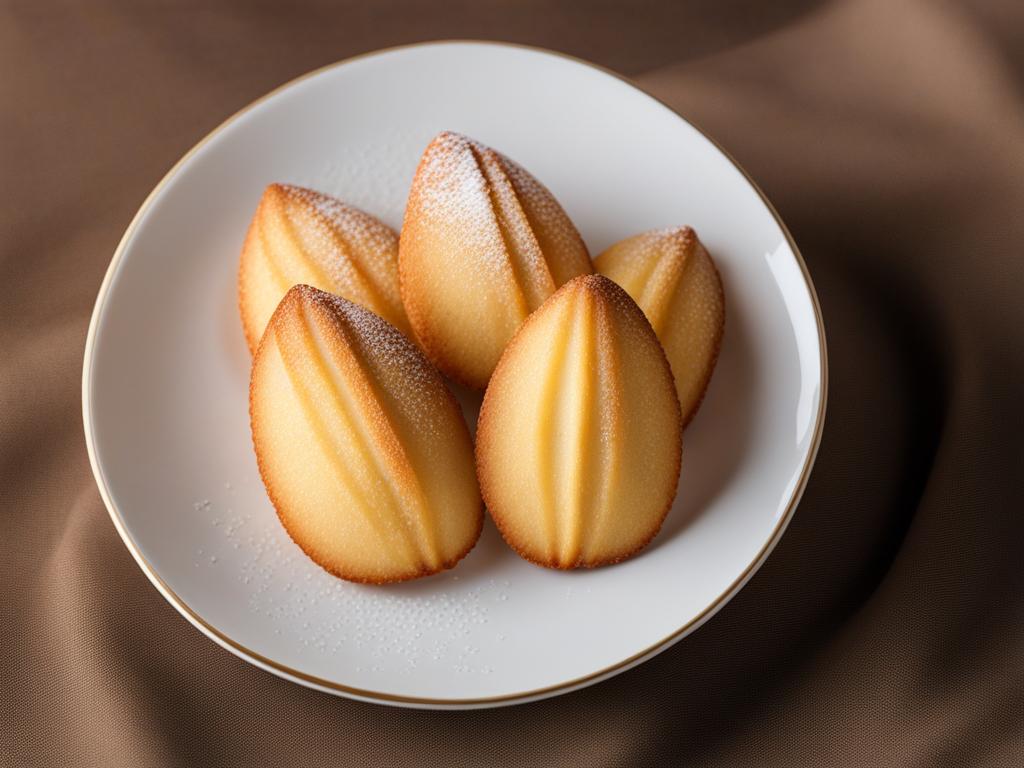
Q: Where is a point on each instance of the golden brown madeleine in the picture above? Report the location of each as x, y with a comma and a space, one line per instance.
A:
301, 236
362, 448
579, 438
671, 276
483, 244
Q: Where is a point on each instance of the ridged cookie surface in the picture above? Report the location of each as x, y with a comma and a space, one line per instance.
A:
363, 450
302, 236
671, 276
483, 244
579, 437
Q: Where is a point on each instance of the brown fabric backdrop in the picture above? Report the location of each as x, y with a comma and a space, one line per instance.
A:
887, 628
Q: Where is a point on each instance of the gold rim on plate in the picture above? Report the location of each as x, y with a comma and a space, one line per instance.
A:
386, 698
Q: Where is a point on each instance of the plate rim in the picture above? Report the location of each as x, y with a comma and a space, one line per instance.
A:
379, 697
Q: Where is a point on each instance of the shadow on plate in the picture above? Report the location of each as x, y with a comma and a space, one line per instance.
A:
716, 442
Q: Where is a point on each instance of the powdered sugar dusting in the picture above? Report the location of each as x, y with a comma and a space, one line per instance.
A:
678, 238
564, 249
389, 631
450, 191
360, 229
350, 246
493, 208
405, 375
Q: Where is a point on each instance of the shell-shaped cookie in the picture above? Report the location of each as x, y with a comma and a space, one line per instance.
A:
302, 236
363, 450
579, 438
671, 276
483, 244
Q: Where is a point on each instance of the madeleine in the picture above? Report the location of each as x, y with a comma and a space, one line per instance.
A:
671, 276
579, 438
483, 244
301, 236
363, 450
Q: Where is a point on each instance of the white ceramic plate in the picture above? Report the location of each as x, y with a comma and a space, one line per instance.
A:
166, 377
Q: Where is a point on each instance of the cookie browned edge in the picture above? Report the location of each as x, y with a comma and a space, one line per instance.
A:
244, 265
483, 436
281, 509
713, 360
